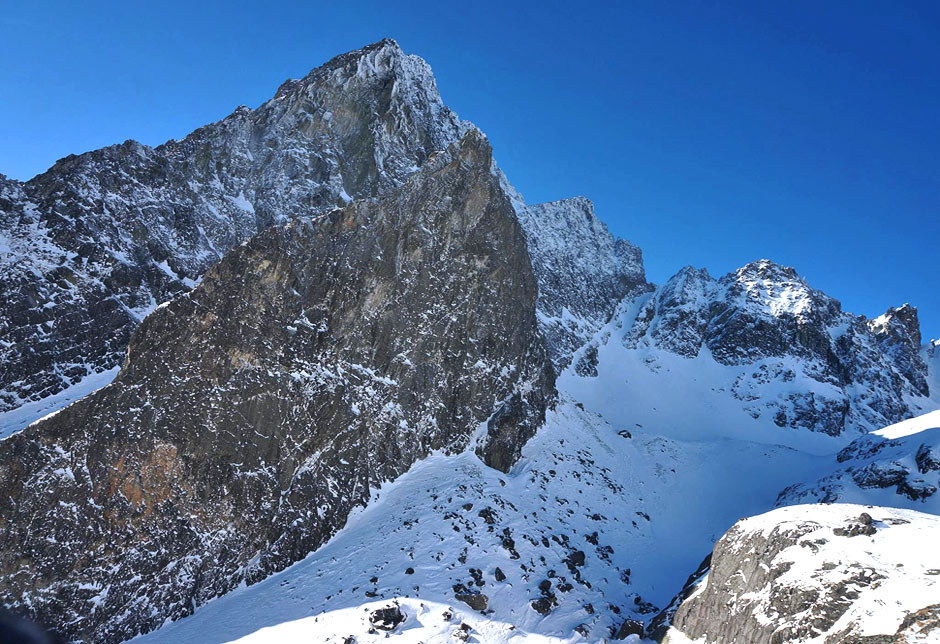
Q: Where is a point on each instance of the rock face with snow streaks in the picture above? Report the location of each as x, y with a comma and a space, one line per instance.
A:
93, 244
897, 465
833, 574
789, 352
583, 271
251, 415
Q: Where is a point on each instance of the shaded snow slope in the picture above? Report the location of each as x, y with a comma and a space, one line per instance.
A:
896, 466
613, 523
819, 574
14, 420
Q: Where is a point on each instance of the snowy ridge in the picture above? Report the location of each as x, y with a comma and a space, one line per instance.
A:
896, 466
774, 349
16, 419
583, 271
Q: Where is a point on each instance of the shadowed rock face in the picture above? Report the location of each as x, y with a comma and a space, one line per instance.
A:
583, 271
314, 362
96, 242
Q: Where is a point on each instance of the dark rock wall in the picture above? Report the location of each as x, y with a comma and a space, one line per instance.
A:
316, 361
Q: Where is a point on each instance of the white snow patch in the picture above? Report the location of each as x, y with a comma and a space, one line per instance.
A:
30, 412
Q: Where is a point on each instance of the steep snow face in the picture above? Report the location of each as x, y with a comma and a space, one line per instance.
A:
819, 573
594, 526
768, 355
91, 246
898, 465
582, 270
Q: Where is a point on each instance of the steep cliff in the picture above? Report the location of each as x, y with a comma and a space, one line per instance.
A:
316, 361
583, 271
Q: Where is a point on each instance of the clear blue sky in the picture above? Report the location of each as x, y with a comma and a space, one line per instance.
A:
709, 133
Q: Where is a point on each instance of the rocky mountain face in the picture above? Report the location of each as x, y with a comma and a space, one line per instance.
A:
832, 574
789, 353
316, 361
91, 246
340, 283
583, 271
96, 242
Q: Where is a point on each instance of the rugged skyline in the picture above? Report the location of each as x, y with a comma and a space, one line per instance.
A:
354, 370
707, 135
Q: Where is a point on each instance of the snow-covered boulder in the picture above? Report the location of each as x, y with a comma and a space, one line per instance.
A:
821, 574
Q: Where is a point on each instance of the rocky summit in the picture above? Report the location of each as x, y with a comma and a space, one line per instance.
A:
318, 372
833, 574
100, 239
781, 349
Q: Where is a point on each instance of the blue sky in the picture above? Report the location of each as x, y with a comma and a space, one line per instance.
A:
709, 133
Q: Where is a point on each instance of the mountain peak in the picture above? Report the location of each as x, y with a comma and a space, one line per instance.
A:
768, 269
143, 224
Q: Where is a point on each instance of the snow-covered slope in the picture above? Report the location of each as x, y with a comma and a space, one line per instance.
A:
819, 574
762, 354
613, 520
656, 504
897, 466
657, 451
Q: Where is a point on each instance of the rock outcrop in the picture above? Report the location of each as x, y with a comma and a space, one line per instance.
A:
317, 360
900, 464
805, 573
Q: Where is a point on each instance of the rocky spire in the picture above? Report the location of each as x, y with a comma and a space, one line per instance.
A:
102, 238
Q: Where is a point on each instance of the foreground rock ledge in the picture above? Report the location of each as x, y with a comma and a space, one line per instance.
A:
833, 574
